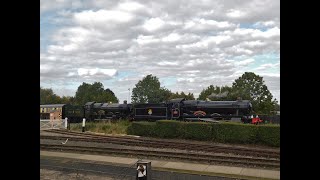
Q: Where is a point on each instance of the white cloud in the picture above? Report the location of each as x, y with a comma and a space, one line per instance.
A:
254, 43
217, 39
167, 63
92, 72
172, 37
64, 48
233, 13
268, 66
102, 16
45, 68
142, 40
194, 62
269, 33
190, 80
130, 6
195, 43
153, 24
261, 24
244, 62
203, 25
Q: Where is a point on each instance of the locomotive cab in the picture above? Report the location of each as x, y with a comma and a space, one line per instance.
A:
175, 107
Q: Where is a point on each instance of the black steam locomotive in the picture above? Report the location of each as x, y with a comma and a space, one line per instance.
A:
188, 110
175, 109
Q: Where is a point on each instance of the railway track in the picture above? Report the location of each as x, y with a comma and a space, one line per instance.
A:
194, 157
132, 141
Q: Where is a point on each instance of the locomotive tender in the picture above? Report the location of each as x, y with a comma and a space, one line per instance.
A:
175, 109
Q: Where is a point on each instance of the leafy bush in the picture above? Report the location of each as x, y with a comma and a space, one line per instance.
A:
195, 131
142, 128
167, 129
119, 127
234, 132
269, 135
224, 132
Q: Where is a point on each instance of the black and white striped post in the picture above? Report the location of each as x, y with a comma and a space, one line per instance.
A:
83, 124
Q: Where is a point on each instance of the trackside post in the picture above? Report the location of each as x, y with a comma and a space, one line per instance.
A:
83, 124
66, 122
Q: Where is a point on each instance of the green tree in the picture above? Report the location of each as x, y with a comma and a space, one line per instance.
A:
94, 92
148, 90
188, 96
251, 87
48, 97
277, 107
164, 94
64, 100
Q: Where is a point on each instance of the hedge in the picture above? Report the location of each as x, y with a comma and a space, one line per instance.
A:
196, 131
234, 133
224, 132
269, 135
142, 129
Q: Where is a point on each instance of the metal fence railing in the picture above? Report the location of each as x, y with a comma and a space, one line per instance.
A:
52, 124
273, 119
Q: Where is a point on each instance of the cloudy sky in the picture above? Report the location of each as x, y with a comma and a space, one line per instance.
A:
187, 44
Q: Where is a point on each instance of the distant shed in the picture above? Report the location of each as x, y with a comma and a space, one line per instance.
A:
51, 110
55, 115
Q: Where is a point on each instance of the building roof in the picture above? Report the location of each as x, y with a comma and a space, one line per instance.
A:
52, 111
51, 105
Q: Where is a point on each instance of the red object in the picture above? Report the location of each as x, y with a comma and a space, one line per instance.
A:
256, 120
